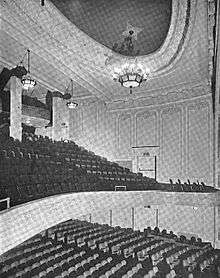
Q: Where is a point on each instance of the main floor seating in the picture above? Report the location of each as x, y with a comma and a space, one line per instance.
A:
82, 249
38, 167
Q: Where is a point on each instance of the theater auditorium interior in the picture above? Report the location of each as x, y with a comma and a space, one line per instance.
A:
109, 138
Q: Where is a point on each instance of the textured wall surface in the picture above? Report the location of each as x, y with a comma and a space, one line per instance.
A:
191, 213
60, 128
182, 130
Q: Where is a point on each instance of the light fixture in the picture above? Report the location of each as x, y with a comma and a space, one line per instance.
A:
71, 104
130, 74
27, 81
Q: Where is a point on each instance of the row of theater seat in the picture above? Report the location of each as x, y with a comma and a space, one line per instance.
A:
38, 167
146, 254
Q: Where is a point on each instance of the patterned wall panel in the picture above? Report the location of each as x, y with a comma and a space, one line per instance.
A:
108, 134
183, 132
60, 119
218, 136
101, 130
145, 216
89, 114
171, 147
180, 219
218, 222
75, 124
146, 128
124, 135
198, 142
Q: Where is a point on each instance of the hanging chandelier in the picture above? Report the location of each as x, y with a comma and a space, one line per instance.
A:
130, 74
27, 81
71, 104
128, 71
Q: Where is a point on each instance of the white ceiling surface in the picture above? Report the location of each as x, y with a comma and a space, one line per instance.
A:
60, 51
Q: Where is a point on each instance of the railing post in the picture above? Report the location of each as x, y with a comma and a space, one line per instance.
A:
157, 217
8, 203
132, 218
110, 217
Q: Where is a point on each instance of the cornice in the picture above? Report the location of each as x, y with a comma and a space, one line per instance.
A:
172, 95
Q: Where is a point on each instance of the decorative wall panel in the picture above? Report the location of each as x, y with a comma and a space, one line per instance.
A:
182, 131
60, 120
89, 126
145, 217
198, 142
109, 135
219, 137
181, 217
171, 147
146, 129
124, 135
75, 124
218, 230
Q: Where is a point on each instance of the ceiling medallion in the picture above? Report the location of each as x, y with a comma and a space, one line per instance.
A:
129, 72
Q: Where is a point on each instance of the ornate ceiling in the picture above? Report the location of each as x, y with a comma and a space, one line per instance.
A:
60, 50
105, 21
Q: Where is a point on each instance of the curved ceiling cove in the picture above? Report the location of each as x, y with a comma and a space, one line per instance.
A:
106, 21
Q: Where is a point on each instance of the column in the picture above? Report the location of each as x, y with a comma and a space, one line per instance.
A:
217, 102
15, 108
60, 129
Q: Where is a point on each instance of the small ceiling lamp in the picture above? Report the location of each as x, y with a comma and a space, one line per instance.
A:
27, 81
71, 104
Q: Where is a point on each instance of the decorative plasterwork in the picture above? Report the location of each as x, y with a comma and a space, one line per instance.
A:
51, 36
198, 106
145, 115
182, 93
182, 14
171, 110
193, 110
211, 26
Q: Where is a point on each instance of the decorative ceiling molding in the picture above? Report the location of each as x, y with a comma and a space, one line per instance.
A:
105, 21
163, 60
25, 30
51, 36
175, 95
174, 109
211, 7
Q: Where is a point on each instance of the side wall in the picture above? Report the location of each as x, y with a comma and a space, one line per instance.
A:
183, 130
184, 213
